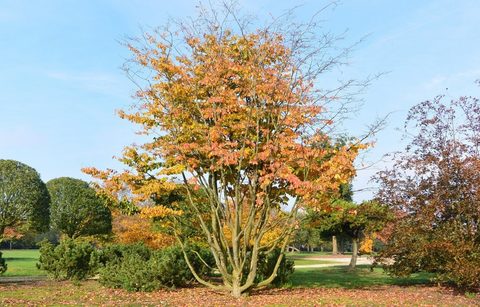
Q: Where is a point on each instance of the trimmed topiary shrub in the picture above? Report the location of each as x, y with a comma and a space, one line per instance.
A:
136, 268
3, 265
70, 260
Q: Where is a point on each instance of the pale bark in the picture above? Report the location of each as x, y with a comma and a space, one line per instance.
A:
353, 260
334, 245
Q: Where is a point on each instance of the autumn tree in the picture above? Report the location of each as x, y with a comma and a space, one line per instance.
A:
131, 229
239, 114
434, 184
24, 199
76, 208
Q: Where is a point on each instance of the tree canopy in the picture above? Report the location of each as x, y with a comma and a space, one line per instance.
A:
24, 198
350, 220
434, 188
236, 113
76, 208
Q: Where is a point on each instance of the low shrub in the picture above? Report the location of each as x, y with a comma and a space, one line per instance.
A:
446, 252
267, 264
464, 270
3, 265
137, 268
70, 260
114, 253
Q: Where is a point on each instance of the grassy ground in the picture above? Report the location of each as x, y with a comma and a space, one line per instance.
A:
91, 293
21, 263
303, 255
311, 261
341, 277
305, 258
308, 258
309, 286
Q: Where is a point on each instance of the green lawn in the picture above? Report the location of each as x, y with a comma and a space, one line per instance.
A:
305, 258
310, 286
22, 262
301, 255
341, 277
311, 261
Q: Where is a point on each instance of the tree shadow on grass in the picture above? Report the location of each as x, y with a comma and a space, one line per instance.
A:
341, 277
20, 259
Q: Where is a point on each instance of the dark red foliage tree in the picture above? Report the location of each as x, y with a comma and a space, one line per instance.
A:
435, 184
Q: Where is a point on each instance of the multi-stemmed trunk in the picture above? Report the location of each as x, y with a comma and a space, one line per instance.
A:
235, 234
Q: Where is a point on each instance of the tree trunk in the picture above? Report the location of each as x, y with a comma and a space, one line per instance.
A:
236, 288
334, 245
353, 261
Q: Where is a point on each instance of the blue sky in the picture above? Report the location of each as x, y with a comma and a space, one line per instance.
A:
60, 77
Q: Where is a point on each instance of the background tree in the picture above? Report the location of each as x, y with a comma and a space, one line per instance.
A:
236, 113
355, 222
434, 184
307, 237
76, 208
10, 235
24, 198
346, 194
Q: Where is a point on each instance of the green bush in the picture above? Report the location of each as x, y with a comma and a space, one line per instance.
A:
3, 265
71, 259
136, 268
174, 268
267, 264
113, 254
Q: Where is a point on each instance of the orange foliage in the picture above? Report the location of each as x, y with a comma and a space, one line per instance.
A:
230, 104
366, 246
133, 229
11, 234
239, 117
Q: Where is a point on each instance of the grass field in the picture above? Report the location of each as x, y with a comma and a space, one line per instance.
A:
311, 261
309, 286
302, 255
21, 262
341, 277
88, 293
306, 258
